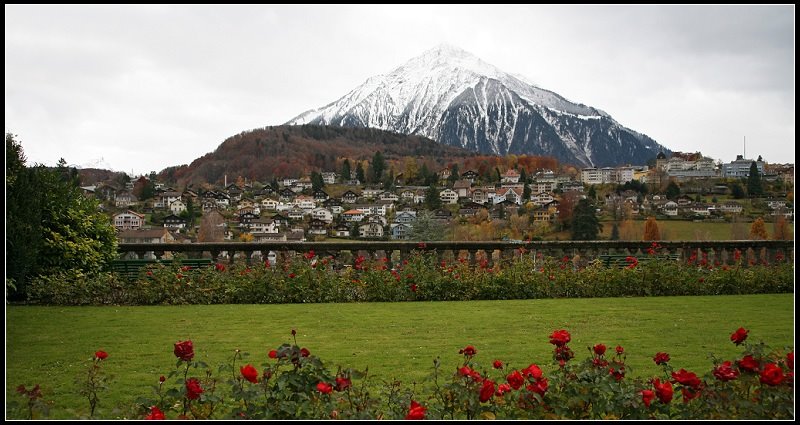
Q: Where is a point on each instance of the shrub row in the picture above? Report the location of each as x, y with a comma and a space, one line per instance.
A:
311, 279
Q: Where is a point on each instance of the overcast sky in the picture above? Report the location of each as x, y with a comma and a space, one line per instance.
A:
139, 88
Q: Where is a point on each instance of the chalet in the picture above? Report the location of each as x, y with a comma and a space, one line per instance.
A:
670, 208
295, 235
470, 209
304, 183
124, 199
286, 195
353, 216
510, 194
172, 221
317, 227
129, 220
320, 195
349, 197
166, 199
405, 217
442, 215
263, 225
158, 235
479, 195
341, 230
105, 191
371, 192
296, 213
334, 205
235, 194
700, 209
88, 191
571, 187
289, 181
510, 176
305, 202
774, 204
731, 207
400, 231
538, 187
542, 198
470, 175
684, 200
544, 214
177, 207
379, 209
461, 187
328, 177
208, 205
280, 220
222, 199
268, 237
247, 217
448, 196
322, 214
407, 195
388, 196
374, 218
370, 230
445, 174
269, 204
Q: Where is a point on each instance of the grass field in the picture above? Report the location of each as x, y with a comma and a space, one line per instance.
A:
51, 346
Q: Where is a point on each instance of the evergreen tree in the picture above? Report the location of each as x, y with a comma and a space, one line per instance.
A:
523, 176
316, 181
424, 174
754, 187
378, 166
454, 174
432, 199
615, 232
426, 228
346, 173
585, 225
360, 173
592, 194
526, 192
737, 191
673, 191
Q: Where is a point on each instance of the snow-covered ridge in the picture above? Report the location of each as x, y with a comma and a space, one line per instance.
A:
452, 96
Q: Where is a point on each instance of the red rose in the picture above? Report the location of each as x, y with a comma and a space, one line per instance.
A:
487, 390
502, 389
689, 394
193, 389
273, 354
304, 352
220, 267
342, 383
600, 349
162, 378
687, 378
748, 363
468, 351
324, 388
413, 287
563, 353
618, 373
559, 338
155, 414
663, 391
515, 379
725, 372
619, 350
497, 364
661, 358
539, 387
739, 336
772, 374
184, 350
416, 411
250, 373
648, 396
292, 275
533, 371
101, 355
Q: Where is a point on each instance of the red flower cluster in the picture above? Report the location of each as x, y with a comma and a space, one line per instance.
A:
725, 372
748, 364
343, 383
772, 374
560, 338
632, 262
309, 255
739, 336
663, 391
648, 396
497, 364
155, 414
468, 351
193, 389
416, 411
324, 388
184, 350
661, 358
599, 349
250, 373
100, 355
220, 267
487, 390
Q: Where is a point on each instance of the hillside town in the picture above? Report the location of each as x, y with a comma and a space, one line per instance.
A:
457, 206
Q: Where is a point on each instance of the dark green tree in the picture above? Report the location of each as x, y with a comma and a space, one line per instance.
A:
523, 176
585, 225
50, 225
388, 180
526, 192
426, 228
754, 187
454, 174
592, 193
737, 191
432, 199
673, 191
360, 173
346, 170
615, 232
316, 181
378, 167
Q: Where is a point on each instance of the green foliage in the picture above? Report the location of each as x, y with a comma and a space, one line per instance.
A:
585, 224
737, 191
673, 191
316, 181
426, 228
432, 199
754, 186
346, 172
360, 173
378, 166
50, 225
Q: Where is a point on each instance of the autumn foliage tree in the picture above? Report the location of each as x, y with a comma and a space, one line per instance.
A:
651, 232
781, 230
758, 230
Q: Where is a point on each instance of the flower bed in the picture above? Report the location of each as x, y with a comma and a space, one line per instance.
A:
311, 279
292, 383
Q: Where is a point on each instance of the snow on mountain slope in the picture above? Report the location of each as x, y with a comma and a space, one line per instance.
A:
457, 99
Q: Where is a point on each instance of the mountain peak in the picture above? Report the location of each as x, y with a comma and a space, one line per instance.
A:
451, 96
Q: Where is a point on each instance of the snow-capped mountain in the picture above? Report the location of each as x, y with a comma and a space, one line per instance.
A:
455, 98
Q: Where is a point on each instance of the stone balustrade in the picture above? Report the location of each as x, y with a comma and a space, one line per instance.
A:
579, 252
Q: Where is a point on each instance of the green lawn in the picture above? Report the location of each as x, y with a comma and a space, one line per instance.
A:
51, 346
